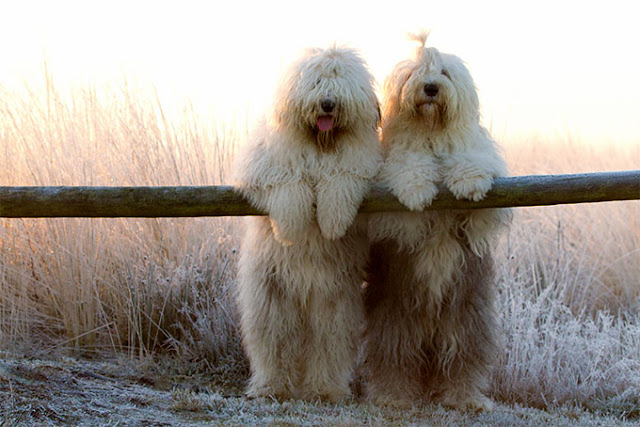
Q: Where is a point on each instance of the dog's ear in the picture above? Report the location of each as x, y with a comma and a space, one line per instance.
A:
468, 106
393, 87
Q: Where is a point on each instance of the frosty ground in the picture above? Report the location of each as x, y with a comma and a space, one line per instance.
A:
70, 391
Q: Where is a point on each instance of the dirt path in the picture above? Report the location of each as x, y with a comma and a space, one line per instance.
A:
79, 392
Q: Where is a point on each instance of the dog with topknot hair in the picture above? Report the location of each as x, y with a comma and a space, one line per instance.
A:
309, 166
431, 333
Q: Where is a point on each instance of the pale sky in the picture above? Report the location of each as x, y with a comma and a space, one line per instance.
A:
553, 68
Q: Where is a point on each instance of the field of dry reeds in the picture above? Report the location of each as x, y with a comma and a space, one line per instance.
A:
147, 289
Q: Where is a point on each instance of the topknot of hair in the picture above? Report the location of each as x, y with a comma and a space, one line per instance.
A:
420, 37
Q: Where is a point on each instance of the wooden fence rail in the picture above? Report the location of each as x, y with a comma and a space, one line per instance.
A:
93, 202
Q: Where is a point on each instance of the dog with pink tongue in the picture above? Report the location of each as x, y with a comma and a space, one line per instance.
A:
308, 165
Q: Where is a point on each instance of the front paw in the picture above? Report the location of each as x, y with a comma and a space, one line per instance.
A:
416, 198
335, 224
338, 201
290, 210
473, 187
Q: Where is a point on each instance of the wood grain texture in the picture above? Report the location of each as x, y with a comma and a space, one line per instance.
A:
149, 202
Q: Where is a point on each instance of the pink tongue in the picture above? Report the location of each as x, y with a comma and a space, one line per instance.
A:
325, 123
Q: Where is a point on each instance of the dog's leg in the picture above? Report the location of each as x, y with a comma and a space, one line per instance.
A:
393, 364
466, 337
271, 324
395, 330
335, 324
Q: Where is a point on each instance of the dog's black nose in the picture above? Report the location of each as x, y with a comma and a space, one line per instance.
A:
327, 105
431, 89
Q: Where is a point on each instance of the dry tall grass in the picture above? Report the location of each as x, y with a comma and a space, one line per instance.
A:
138, 285
569, 297
569, 289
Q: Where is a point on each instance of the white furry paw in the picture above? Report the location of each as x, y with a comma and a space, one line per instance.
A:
338, 200
393, 402
279, 393
290, 211
476, 402
329, 394
417, 198
472, 187
334, 225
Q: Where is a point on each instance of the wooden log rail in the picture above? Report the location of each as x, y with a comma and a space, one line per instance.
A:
194, 201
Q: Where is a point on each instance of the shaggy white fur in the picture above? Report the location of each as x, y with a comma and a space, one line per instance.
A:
309, 165
430, 331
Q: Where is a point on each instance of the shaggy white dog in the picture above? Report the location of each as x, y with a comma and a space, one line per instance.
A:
431, 334
309, 165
